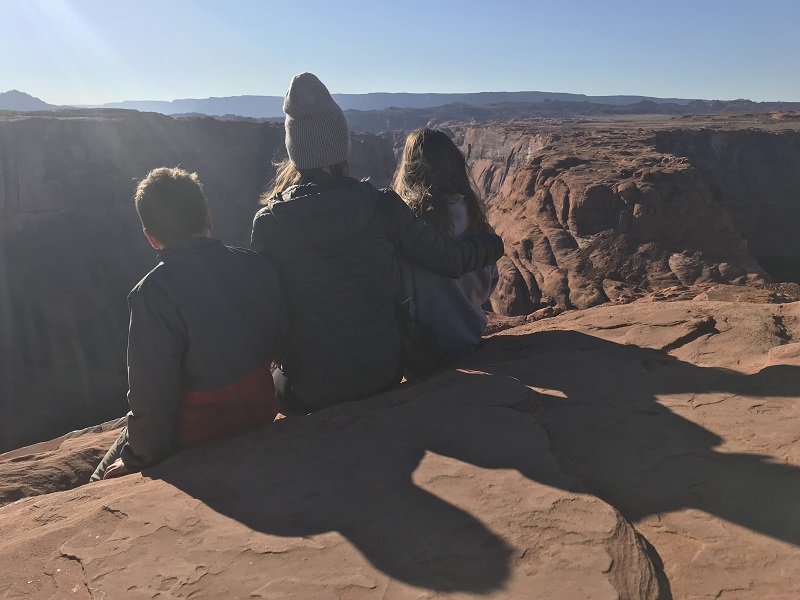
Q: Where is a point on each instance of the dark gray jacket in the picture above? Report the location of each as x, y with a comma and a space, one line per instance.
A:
335, 251
205, 324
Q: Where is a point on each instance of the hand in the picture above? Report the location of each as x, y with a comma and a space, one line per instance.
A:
116, 469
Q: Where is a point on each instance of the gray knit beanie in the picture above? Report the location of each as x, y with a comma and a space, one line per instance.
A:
316, 130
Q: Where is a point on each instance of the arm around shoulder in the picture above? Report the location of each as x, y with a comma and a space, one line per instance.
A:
422, 244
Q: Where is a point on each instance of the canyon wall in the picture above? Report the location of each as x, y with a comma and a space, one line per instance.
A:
598, 212
71, 245
755, 175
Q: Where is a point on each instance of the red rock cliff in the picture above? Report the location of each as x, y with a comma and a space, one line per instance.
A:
603, 212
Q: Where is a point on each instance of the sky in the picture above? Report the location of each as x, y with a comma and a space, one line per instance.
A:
96, 51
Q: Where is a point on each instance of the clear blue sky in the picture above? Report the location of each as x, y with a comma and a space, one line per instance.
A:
93, 51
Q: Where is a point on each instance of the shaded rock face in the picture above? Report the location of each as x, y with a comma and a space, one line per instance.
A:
755, 176
605, 213
624, 452
71, 245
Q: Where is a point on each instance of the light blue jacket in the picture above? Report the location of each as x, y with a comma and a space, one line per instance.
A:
451, 308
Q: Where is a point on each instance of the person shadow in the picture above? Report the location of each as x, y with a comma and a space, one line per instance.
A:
601, 429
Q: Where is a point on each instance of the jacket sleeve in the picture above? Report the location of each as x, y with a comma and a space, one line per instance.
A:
156, 347
278, 309
423, 245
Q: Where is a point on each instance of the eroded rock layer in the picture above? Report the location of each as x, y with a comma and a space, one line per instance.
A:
609, 211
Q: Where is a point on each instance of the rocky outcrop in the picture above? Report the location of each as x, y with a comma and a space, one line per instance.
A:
644, 451
71, 245
60, 464
595, 213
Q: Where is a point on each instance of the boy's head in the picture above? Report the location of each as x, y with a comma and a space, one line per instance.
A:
172, 206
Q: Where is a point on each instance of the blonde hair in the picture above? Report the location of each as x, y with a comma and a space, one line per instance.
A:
431, 168
287, 175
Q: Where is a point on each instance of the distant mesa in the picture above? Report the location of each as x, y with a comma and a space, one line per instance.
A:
264, 107
382, 112
16, 100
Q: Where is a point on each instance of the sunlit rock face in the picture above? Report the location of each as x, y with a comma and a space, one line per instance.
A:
597, 212
71, 245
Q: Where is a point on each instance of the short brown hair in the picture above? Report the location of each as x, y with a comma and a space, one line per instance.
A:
171, 204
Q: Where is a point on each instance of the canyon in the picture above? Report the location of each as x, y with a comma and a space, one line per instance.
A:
628, 430
592, 211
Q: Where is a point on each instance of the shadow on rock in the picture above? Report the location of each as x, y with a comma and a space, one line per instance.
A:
610, 431
599, 429
350, 470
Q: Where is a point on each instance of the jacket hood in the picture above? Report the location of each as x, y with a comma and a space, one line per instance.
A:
323, 216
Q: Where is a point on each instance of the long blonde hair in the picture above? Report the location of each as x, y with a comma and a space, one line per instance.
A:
431, 168
287, 175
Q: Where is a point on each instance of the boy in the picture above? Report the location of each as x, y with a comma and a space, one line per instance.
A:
205, 324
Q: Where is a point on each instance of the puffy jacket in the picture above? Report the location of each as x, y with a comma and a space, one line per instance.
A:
205, 324
335, 251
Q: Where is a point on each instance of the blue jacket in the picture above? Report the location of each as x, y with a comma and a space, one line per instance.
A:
450, 309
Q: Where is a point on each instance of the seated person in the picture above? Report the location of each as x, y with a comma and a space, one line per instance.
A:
335, 243
205, 324
434, 181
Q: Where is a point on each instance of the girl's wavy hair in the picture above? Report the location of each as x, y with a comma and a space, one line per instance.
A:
432, 167
287, 175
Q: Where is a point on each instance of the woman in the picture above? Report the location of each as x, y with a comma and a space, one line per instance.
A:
334, 242
433, 180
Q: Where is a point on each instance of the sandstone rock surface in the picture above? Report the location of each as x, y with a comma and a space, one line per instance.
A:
63, 463
643, 451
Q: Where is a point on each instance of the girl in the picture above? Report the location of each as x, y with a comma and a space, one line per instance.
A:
433, 180
333, 241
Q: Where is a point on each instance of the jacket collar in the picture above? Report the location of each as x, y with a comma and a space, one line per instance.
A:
311, 188
186, 247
